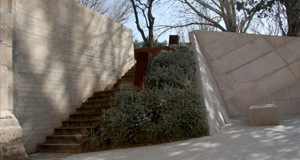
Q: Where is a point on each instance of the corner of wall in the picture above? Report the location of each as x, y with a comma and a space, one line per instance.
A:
218, 114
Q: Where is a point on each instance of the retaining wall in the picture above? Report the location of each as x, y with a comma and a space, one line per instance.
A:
62, 53
253, 69
207, 86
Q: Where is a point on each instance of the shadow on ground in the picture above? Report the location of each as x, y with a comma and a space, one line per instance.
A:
237, 140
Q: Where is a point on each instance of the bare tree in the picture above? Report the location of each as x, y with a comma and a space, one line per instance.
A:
218, 14
118, 10
99, 6
286, 13
144, 9
224, 9
292, 9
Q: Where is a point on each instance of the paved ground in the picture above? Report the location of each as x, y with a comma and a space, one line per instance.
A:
236, 141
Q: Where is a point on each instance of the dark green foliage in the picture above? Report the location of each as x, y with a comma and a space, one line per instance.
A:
156, 43
169, 108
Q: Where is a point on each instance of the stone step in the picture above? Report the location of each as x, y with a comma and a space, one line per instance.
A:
105, 93
95, 104
80, 123
86, 116
104, 96
130, 73
99, 99
95, 110
131, 76
73, 131
65, 139
60, 148
117, 85
123, 80
69, 138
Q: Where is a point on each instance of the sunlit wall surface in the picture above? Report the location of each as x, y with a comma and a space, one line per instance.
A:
62, 53
253, 69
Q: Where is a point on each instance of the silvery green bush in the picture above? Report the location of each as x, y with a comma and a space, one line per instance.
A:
168, 108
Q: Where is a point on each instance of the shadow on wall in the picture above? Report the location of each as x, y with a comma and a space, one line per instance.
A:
62, 53
253, 69
217, 111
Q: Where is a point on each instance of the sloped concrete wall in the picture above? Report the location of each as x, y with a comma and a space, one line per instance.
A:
207, 86
254, 69
62, 53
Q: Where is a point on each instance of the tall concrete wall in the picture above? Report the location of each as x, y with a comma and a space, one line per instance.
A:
207, 86
62, 53
254, 69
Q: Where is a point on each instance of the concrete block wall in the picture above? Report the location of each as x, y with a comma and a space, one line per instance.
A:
218, 114
253, 69
62, 53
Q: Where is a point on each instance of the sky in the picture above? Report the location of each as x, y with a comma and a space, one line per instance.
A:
161, 13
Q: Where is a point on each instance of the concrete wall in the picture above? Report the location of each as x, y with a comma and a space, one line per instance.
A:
62, 53
207, 86
254, 69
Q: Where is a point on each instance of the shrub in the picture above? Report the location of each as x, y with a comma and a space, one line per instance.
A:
169, 108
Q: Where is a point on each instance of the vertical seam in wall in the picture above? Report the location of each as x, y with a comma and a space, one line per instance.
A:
214, 78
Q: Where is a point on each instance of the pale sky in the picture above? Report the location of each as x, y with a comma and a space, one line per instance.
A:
160, 19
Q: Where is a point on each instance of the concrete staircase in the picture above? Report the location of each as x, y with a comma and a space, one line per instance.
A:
69, 138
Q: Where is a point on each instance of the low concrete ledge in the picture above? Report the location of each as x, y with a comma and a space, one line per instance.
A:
264, 115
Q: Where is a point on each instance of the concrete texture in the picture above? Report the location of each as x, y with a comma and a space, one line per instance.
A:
264, 115
235, 141
207, 86
253, 69
63, 52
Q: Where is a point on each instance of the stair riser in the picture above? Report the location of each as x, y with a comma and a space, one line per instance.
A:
95, 105
80, 124
130, 80
72, 131
104, 94
96, 99
118, 85
85, 117
91, 110
60, 149
129, 74
128, 77
65, 140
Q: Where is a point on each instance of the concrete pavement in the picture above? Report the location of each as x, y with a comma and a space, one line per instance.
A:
235, 141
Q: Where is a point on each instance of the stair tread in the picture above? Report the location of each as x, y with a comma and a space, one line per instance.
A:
82, 120
111, 90
90, 108
63, 144
89, 102
90, 127
68, 136
100, 100
87, 114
